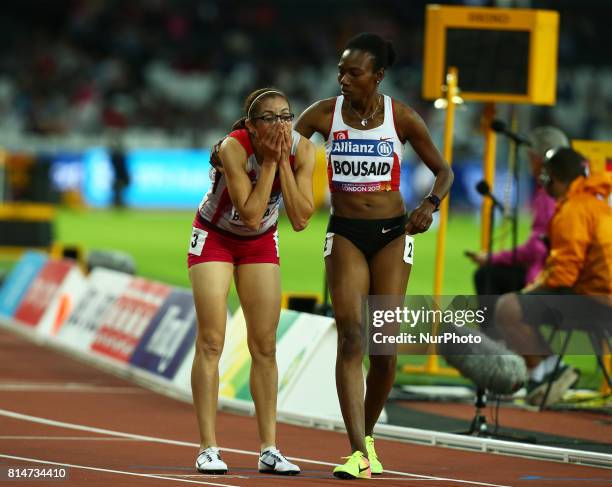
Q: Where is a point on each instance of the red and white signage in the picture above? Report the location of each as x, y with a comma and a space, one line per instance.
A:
101, 289
125, 322
47, 303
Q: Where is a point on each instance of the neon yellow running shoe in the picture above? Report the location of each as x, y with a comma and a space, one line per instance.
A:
356, 467
375, 464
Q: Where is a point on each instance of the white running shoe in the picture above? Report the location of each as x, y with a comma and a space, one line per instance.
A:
209, 461
273, 461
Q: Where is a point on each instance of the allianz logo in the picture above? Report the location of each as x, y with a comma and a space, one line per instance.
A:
382, 148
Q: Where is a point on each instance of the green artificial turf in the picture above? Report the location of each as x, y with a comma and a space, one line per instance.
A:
158, 243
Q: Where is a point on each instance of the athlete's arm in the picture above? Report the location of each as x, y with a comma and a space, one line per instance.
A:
297, 189
411, 128
249, 200
316, 118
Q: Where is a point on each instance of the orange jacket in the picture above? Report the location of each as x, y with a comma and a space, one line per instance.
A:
581, 238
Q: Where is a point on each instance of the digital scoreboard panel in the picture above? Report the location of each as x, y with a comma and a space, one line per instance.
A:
502, 55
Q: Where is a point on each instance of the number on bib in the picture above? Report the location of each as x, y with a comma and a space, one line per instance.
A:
329, 242
275, 236
198, 237
409, 249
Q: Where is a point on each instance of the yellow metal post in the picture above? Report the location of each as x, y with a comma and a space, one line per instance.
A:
451, 94
452, 97
489, 173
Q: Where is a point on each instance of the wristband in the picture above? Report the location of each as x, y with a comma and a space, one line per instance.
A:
434, 200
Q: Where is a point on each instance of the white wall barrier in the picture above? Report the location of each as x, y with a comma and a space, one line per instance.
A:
103, 288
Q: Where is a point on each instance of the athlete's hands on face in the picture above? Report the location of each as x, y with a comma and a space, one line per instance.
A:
286, 143
420, 219
269, 143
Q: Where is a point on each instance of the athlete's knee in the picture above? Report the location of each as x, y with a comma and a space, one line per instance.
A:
383, 364
350, 343
263, 349
209, 347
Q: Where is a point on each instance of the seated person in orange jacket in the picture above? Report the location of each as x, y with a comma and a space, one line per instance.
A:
510, 271
575, 287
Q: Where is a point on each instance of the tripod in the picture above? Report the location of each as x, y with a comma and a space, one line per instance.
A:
479, 426
518, 140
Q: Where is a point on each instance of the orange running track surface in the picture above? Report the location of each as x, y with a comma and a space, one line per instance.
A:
55, 411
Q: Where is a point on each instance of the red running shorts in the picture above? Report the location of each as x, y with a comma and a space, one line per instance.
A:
210, 244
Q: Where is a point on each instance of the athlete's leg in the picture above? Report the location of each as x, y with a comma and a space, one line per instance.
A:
259, 290
210, 282
388, 276
348, 278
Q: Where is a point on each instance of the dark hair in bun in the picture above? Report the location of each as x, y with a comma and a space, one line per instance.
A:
381, 50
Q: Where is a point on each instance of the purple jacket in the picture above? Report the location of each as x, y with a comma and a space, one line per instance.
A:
532, 254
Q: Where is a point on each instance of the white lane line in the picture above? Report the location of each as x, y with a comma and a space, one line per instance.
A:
226, 476
64, 438
61, 424
304, 476
68, 387
108, 470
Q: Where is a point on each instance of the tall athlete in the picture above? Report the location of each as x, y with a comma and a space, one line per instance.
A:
234, 233
368, 248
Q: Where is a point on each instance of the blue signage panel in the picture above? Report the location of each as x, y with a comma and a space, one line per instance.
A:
159, 178
169, 336
67, 171
18, 281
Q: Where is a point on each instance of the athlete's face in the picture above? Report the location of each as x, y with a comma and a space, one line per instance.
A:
272, 113
356, 74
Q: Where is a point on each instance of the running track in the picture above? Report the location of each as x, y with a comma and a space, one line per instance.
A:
55, 411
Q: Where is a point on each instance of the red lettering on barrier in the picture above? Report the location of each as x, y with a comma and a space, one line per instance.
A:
126, 321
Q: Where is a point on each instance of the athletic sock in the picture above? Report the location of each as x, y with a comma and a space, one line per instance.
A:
265, 448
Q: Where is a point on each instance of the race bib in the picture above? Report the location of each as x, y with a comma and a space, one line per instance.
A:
275, 236
409, 249
198, 237
361, 160
329, 242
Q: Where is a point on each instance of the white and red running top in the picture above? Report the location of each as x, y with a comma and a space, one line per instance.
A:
216, 206
360, 161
